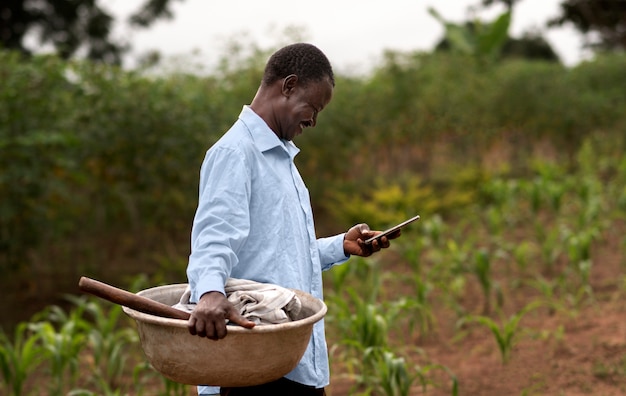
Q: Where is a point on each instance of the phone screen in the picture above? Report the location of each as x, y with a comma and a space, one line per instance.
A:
392, 229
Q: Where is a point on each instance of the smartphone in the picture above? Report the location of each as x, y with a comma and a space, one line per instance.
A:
392, 229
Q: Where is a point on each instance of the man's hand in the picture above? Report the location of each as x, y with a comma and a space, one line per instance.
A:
209, 317
353, 241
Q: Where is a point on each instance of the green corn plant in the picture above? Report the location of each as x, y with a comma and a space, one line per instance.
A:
172, 388
459, 255
369, 326
336, 278
19, 357
621, 202
448, 271
579, 250
590, 213
395, 379
143, 373
556, 192
482, 270
414, 312
505, 333
389, 374
547, 288
367, 271
423, 375
590, 193
551, 184
103, 392
432, 229
535, 191
81, 392
418, 305
576, 297
411, 251
386, 373
361, 324
61, 347
551, 247
522, 253
455, 382
108, 340
500, 193
495, 221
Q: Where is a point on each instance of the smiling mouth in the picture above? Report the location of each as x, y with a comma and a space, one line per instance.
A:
305, 124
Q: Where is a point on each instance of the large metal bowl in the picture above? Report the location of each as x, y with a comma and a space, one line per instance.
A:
245, 357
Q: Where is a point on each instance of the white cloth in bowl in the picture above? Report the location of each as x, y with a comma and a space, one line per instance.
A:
261, 303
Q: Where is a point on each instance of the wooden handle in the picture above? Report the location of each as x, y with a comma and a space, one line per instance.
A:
130, 300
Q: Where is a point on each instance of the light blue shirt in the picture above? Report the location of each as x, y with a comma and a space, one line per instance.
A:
254, 221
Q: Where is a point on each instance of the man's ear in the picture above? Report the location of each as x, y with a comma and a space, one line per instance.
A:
289, 83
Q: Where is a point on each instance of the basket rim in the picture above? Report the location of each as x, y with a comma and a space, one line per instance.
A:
231, 329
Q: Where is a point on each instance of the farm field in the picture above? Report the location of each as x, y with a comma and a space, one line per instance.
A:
580, 353
511, 283
522, 296
519, 293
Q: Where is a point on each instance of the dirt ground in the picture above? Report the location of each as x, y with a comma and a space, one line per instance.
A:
572, 353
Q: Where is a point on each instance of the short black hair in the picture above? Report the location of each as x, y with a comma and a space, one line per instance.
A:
304, 60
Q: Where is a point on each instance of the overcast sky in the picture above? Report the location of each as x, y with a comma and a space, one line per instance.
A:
352, 33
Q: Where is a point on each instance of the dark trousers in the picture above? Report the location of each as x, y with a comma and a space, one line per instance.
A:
281, 387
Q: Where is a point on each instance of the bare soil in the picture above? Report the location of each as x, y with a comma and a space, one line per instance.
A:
573, 352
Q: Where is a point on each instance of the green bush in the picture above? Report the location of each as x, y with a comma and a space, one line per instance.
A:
90, 150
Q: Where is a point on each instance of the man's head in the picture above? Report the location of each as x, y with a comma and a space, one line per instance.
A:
304, 60
297, 84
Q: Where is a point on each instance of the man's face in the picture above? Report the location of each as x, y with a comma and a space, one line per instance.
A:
301, 105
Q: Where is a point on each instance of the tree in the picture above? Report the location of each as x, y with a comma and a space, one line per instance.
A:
606, 18
508, 3
477, 38
531, 45
72, 27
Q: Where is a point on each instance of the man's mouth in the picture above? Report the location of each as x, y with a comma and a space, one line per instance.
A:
305, 124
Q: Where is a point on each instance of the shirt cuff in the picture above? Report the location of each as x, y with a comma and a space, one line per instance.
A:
204, 390
204, 286
331, 251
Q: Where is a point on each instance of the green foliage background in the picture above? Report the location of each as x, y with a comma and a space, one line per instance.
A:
93, 156
516, 167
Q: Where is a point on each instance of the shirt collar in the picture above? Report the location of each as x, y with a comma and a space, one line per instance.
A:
264, 138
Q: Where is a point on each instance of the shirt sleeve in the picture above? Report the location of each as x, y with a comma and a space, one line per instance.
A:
331, 251
222, 221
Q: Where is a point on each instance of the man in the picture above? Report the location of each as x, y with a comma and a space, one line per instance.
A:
254, 218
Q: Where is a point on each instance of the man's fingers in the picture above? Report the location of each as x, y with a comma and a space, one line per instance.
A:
216, 330
214, 334
236, 318
191, 325
395, 234
377, 245
199, 328
384, 242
